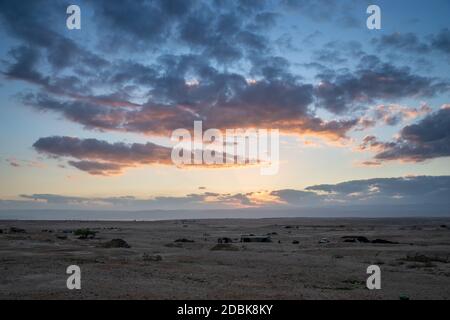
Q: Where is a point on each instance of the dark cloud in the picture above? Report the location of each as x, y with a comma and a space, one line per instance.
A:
220, 30
103, 158
32, 22
414, 190
373, 82
97, 168
402, 41
411, 43
224, 70
220, 100
427, 139
98, 157
190, 201
297, 197
441, 41
338, 12
420, 189
24, 66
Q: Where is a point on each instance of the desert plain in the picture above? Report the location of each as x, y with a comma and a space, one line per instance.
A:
306, 259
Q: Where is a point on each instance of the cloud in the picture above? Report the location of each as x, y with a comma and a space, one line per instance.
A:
441, 41
293, 197
402, 41
373, 81
98, 168
338, 12
21, 163
204, 78
191, 201
221, 68
411, 190
411, 43
157, 98
405, 190
103, 158
221, 30
265, 104
392, 115
427, 139
98, 157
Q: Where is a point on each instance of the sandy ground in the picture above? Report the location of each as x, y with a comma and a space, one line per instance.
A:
33, 264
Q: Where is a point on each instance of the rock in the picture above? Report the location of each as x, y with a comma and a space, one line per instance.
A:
151, 258
16, 230
224, 247
356, 239
1, 231
381, 241
184, 240
253, 238
295, 242
116, 243
61, 237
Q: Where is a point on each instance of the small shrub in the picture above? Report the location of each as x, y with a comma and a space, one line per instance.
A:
85, 233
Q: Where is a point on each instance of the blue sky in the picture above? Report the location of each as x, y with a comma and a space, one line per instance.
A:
352, 104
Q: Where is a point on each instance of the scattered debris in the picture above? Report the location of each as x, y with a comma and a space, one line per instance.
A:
116, 243
224, 240
151, 258
403, 297
47, 231
184, 240
16, 230
418, 257
324, 240
295, 242
61, 237
253, 238
224, 247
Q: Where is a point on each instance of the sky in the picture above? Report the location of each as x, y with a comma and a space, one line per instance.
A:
87, 115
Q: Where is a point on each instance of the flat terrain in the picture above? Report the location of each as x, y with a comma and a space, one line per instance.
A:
293, 266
